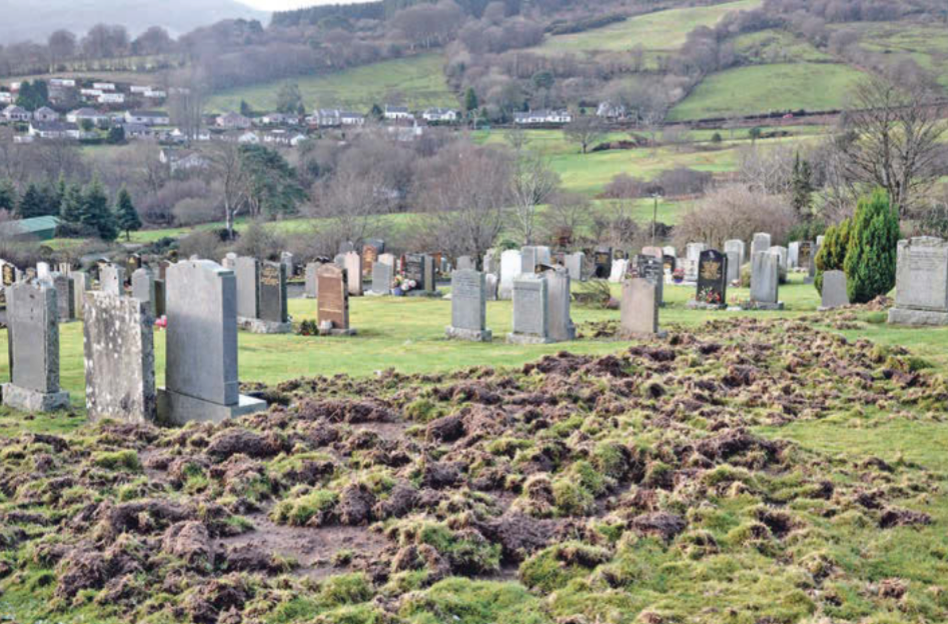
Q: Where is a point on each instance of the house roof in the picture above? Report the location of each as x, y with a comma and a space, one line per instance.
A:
36, 225
13, 108
396, 109
146, 113
87, 112
45, 110
53, 126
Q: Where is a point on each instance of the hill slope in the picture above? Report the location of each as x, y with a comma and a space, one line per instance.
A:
36, 20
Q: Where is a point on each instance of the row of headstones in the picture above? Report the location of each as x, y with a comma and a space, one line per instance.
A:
527, 261
419, 268
201, 349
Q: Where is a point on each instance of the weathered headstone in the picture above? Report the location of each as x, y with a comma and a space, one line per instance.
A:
528, 260
652, 268
733, 266
689, 269
492, 282
921, 282
465, 263
510, 264
333, 305
782, 255
143, 289
806, 259
602, 262
765, 281
415, 269
760, 242
65, 297
574, 264
559, 298
201, 346
287, 260
230, 261
119, 358
382, 276
387, 258
428, 283
272, 314
737, 246
639, 308
712, 279
370, 255
353, 262
469, 307
619, 270
834, 293
531, 317
33, 335
81, 283
311, 286
112, 279
492, 262
693, 250
247, 277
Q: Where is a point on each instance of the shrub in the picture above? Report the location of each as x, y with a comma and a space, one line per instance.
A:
623, 186
832, 253
683, 181
873, 246
194, 211
118, 460
735, 211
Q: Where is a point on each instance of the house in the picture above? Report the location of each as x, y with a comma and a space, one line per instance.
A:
297, 139
443, 115
182, 160
249, 138
406, 132
155, 94
327, 118
147, 118
104, 86
111, 98
543, 117
232, 121
137, 131
45, 113
279, 119
397, 112
62, 82
91, 93
54, 130
16, 113
607, 110
178, 136
6, 97
36, 228
138, 89
351, 119
83, 114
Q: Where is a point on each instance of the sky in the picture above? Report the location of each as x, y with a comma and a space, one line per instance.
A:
283, 5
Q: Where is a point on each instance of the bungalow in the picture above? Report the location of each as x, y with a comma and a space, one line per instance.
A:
45, 113
444, 115
233, 120
351, 119
137, 131
54, 130
62, 82
16, 113
328, 118
82, 114
543, 117
182, 160
608, 110
279, 119
397, 112
147, 118
104, 86
111, 98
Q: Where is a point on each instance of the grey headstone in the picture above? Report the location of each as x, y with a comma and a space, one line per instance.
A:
693, 250
733, 266
143, 289
247, 277
119, 358
921, 289
528, 260
574, 264
33, 314
834, 290
81, 283
65, 297
531, 318
272, 293
112, 279
311, 289
286, 258
760, 242
466, 263
738, 247
561, 327
510, 266
387, 258
544, 255
491, 281
353, 266
619, 270
652, 268
639, 307
429, 281
469, 306
382, 275
765, 277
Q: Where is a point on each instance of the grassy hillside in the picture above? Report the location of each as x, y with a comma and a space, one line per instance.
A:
777, 46
926, 45
417, 81
769, 88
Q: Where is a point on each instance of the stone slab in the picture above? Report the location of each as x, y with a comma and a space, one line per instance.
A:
29, 400
917, 318
261, 326
180, 409
470, 335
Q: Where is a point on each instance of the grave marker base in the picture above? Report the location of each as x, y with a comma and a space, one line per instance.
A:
471, 335
180, 409
527, 339
660, 334
28, 400
760, 305
259, 326
701, 305
918, 318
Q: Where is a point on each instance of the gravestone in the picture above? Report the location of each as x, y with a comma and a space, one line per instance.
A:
332, 311
33, 343
531, 317
655, 252
806, 259
143, 289
689, 269
669, 251
544, 256
619, 270
760, 242
65, 297
370, 255
247, 276
652, 268
739, 248
311, 287
201, 346
921, 282
9, 274
819, 240
765, 281
712, 279
669, 263
782, 254
834, 293
345, 247
510, 263
230, 261
42, 270
353, 266
428, 283
119, 358
81, 283
528, 260
465, 263
793, 255
112, 280
492, 281
639, 308
693, 251
574, 265
159, 298
133, 263
387, 258
602, 263
492, 262
287, 260
559, 299
272, 316
733, 266
415, 269
163, 269
382, 275
469, 307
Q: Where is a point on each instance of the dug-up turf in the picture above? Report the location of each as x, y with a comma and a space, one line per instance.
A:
657, 485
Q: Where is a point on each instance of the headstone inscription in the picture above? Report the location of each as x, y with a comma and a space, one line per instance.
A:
65, 297
531, 318
652, 268
760, 242
272, 317
469, 307
921, 282
119, 358
712, 278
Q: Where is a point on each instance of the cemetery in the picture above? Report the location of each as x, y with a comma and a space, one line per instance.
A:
405, 436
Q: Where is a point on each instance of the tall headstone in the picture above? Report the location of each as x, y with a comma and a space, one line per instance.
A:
247, 277
81, 283
531, 317
370, 255
765, 281
737, 246
353, 264
806, 259
332, 310
382, 275
33, 335
618, 271
491, 283
834, 293
469, 307
288, 261
112, 279
693, 251
921, 282
639, 308
712, 278
119, 358
143, 289
652, 268
428, 283
159, 298
510, 265
733, 266
311, 286
65, 297
782, 253
528, 260
272, 315
574, 264
42, 270
201, 346
689, 268
760, 242
559, 298
492, 262
793, 255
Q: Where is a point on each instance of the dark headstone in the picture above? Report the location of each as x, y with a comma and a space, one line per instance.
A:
273, 292
712, 277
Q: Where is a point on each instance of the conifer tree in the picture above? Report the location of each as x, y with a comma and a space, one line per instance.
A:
8, 196
96, 213
32, 203
126, 215
832, 253
873, 247
70, 210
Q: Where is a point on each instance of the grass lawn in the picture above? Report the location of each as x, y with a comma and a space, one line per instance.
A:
416, 81
769, 88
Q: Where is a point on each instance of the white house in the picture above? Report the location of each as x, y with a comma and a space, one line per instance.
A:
138, 89
608, 110
279, 119
444, 115
104, 86
45, 113
137, 131
91, 93
543, 117
6, 97
111, 98
16, 113
232, 121
81, 114
182, 160
249, 138
147, 118
62, 82
327, 118
155, 94
351, 119
397, 112
54, 130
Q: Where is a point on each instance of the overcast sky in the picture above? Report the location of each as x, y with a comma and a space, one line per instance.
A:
283, 5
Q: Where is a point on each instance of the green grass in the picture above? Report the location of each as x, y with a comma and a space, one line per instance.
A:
417, 81
776, 46
925, 44
769, 88
662, 31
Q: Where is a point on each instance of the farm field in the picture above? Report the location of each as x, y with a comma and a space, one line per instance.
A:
927, 45
416, 81
769, 88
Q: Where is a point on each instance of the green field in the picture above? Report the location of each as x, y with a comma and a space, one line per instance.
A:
777, 46
662, 31
769, 88
926, 45
416, 81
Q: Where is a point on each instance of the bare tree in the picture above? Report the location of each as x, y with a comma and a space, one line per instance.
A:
354, 203
893, 141
186, 103
567, 215
227, 167
585, 130
532, 185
